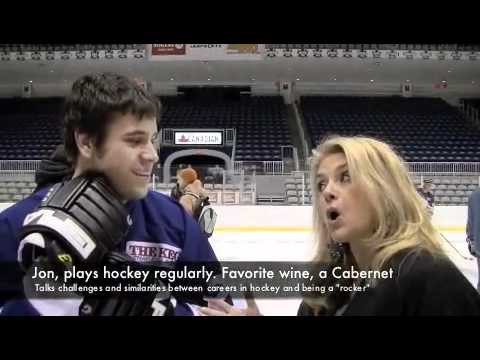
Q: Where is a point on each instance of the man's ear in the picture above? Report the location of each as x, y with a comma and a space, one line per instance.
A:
85, 144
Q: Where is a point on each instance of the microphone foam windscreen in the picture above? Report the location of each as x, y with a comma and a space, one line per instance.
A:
188, 175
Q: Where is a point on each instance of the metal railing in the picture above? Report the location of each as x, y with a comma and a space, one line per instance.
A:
425, 47
260, 167
12, 168
277, 167
433, 168
67, 47
440, 168
19, 166
18, 169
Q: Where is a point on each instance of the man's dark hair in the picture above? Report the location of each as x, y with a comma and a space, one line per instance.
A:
96, 99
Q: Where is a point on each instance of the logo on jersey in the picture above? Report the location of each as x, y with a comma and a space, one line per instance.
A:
147, 252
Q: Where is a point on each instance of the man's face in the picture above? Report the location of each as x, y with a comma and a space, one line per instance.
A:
427, 187
128, 154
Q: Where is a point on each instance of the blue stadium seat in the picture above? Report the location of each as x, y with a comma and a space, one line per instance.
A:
419, 138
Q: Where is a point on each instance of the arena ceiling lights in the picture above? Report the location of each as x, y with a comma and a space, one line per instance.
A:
373, 54
72, 55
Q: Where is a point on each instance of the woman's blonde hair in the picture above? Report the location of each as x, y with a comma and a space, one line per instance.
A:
401, 218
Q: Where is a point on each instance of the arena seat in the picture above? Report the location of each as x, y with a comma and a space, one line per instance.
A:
260, 122
426, 122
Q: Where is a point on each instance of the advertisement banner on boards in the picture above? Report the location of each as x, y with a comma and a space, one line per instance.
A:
205, 52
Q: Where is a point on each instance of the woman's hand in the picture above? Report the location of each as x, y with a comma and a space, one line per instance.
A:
219, 307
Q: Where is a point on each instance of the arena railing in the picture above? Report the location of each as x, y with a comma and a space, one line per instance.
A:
19, 165
441, 168
424, 47
430, 168
18, 169
66, 47
260, 167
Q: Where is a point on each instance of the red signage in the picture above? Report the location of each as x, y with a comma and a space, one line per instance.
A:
168, 49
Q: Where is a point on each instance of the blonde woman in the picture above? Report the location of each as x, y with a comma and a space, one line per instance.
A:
369, 219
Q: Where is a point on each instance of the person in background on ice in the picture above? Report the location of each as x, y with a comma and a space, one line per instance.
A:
473, 228
427, 194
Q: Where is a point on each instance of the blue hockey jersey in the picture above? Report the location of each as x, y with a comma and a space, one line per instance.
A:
161, 231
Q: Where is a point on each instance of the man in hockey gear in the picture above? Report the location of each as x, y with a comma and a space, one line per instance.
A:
111, 126
78, 221
131, 303
81, 222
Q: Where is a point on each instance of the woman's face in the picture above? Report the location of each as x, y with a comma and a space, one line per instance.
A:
344, 206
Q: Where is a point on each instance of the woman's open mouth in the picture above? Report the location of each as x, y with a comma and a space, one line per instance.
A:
333, 217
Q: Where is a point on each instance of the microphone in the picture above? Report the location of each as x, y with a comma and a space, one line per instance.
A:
188, 176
